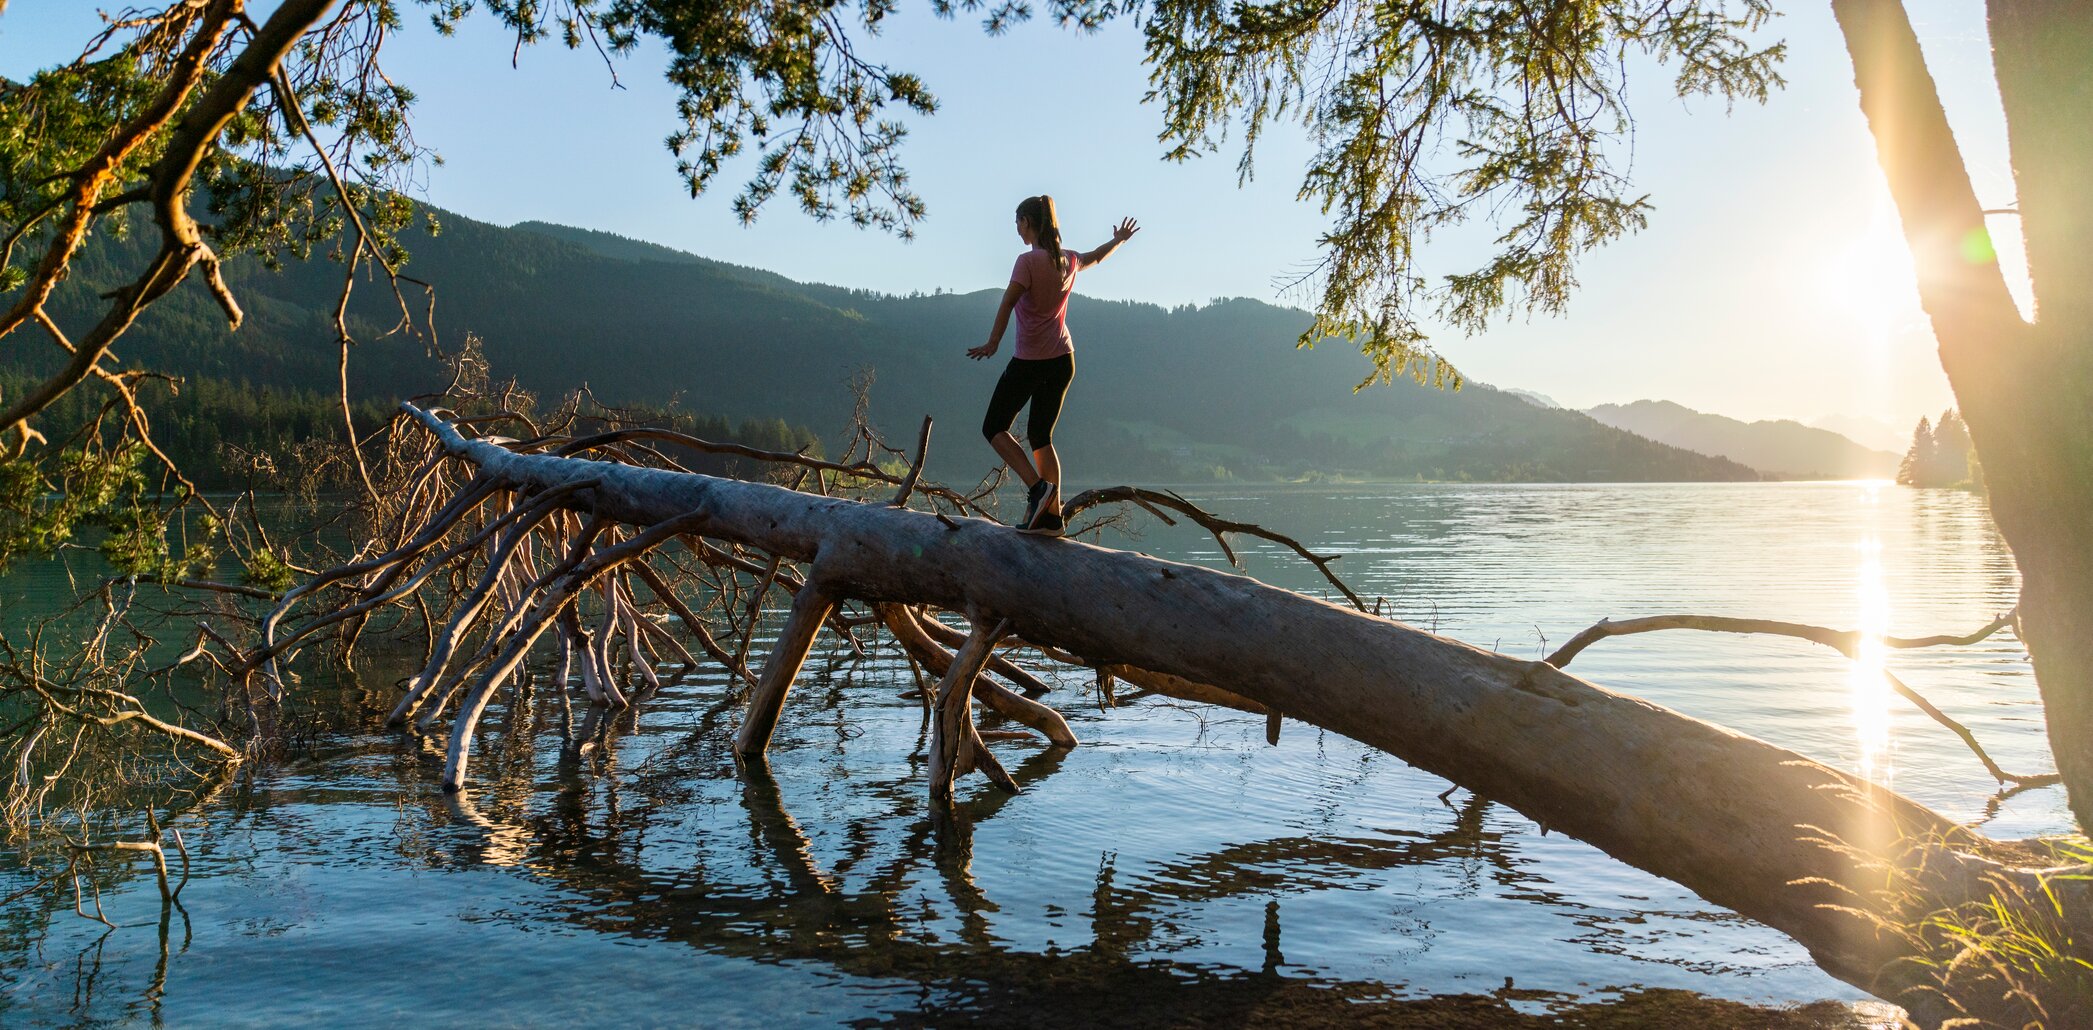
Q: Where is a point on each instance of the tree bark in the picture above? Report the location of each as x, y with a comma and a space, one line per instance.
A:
1759, 829
2025, 391
955, 746
1005, 701
2043, 52
810, 608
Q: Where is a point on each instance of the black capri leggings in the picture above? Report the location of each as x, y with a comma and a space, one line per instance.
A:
1043, 383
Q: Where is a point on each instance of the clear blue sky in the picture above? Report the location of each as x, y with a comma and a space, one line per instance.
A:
1771, 283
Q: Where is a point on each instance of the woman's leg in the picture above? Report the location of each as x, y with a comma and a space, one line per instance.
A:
1049, 463
1013, 388
1013, 455
1048, 391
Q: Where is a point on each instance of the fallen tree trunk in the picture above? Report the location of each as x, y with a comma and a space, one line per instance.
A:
1831, 860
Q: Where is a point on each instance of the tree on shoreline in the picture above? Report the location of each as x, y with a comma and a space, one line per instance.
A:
1940, 454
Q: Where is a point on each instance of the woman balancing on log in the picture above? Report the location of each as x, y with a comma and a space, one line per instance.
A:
1045, 362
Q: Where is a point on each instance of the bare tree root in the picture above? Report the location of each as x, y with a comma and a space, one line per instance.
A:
811, 606
933, 632
691, 622
1183, 689
909, 630
1155, 501
1845, 642
524, 629
593, 672
956, 747
915, 468
468, 611
931, 628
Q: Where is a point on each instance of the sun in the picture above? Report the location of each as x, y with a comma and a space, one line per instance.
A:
1871, 280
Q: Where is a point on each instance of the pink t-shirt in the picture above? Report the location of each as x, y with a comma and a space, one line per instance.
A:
1042, 313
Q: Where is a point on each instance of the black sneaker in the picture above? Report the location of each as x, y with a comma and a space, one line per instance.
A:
1035, 502
1047, 524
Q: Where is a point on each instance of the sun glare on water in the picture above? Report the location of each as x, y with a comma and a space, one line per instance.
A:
1869, 690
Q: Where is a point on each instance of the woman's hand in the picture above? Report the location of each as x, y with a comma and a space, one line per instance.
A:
985, 350
1121, 233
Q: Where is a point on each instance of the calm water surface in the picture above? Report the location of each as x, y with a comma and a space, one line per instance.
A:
1172, 860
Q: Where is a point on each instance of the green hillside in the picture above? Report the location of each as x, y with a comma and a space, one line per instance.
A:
1192, 393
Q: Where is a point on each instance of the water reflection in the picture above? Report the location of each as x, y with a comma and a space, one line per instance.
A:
894, 902
902, 905
1870, 691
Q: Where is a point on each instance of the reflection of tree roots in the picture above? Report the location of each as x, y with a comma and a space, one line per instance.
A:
863, 914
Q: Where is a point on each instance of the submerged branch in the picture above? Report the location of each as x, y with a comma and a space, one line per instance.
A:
1846, 642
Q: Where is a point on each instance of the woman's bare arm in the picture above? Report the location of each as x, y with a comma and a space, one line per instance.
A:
995, 335
1123, 232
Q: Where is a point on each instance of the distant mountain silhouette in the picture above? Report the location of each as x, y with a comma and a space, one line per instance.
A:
1783, 448
1184, 394
1872, 433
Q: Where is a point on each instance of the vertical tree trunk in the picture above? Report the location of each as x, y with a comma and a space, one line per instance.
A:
2022, 389
2043, 53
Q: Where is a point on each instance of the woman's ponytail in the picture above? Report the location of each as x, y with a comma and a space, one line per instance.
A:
1046, 226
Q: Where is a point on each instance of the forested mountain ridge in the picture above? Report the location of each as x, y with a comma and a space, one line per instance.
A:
1191, 393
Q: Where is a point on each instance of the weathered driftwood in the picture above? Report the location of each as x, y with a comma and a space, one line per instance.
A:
1793, 843
956, 747
907, 622
810, 608
911, 632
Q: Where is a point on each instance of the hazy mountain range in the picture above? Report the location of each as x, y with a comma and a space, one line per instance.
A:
1783, 448
1162, 394
1867, 432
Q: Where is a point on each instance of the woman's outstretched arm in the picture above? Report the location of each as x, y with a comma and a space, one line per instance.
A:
995, 335
1123, 232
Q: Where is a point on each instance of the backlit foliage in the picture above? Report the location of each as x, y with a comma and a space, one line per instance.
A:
1511, 113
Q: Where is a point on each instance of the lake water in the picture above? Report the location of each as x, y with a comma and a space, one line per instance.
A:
1172, 870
